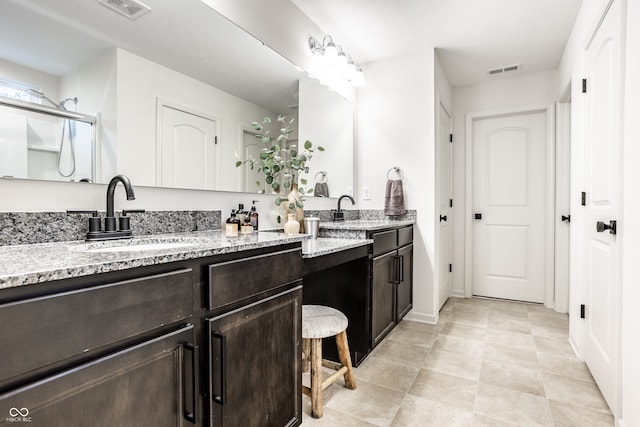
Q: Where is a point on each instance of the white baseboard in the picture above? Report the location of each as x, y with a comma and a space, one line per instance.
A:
574, 347
458, 293
621, 423
421, 317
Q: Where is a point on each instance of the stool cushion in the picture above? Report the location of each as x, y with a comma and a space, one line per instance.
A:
319, 321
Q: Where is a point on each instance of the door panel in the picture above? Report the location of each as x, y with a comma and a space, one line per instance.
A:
383, 304
188, 150
445, 220
509, 193
602, 151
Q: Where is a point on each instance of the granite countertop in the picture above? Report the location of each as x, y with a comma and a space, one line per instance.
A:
37, 263
364, 225
327, 245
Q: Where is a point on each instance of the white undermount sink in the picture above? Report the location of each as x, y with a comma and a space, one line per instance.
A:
136, 245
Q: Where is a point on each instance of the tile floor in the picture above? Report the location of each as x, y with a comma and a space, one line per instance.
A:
486, 363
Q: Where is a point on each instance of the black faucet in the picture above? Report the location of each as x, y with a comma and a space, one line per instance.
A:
339, 215
110, 220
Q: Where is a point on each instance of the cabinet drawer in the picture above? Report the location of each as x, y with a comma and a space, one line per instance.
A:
405, 236
384, 241
44, 330
236, 280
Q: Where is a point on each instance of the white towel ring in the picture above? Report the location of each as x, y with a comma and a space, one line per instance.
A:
395, 169
323, 178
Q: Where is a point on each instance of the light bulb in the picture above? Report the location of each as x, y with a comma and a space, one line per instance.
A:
358, 79
330, 52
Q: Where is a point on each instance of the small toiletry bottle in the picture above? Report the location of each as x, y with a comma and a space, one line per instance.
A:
253, 216
241, 213
232, 226
246, 227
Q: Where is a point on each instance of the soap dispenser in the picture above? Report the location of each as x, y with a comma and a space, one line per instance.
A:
232, 226
253, 216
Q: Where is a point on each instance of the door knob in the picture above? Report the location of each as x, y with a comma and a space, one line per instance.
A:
601, 226
566, 218
477, 216
443, 218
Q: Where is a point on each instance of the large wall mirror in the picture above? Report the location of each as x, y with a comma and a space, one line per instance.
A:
173, 91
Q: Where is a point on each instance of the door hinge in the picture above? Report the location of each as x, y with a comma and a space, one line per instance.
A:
450, 203
450, 268
584, 85
583, 199
582, 310
450, 137
215, 140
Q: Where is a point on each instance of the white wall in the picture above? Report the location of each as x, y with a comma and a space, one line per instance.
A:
396, 128
631, 226
534, 89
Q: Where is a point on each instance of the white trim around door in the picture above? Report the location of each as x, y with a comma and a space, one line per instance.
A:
549, 210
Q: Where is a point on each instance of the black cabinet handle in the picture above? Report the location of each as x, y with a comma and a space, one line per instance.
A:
443, 218
601, 226
190, 413
477, 216
396, 272
401, 262
566, 218
219, 396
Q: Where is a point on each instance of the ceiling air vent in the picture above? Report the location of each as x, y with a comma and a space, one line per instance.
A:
132, 9
505, 69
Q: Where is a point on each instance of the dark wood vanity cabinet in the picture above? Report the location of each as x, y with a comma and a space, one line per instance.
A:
210, 341
391, 279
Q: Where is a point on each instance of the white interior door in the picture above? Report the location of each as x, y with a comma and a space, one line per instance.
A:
509, 207
188, 152
446, 210
563, 206
602, 152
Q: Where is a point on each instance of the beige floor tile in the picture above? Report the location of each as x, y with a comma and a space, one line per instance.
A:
475, 318
448, 306
504, 313
412, 336
372, 403
561, 321
558, 346
504, 404
513, 377
484, 421
509, 355
415, 411
380, 371
516, 339
508, 305
330, 417
569, 367
512, 325
446, 389
549, 332
565, 415
478, 302
575, 392
454, 364
464, 330
538, 308
465, 346
400, 352
421, 327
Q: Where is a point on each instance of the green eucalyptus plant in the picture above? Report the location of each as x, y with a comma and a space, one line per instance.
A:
281, 162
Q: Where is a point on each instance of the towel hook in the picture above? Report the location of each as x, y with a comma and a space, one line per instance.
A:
323, 178
395, 169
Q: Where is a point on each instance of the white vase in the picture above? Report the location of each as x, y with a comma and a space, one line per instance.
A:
292, 226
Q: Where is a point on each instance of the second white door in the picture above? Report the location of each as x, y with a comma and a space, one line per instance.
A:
509, 207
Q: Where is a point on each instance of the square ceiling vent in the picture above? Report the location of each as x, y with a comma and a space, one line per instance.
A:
132, 9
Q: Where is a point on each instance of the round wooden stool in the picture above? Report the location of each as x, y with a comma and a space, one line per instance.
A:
320, 322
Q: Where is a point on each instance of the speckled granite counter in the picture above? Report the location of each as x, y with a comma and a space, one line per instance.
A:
326, 245
357, 229
29, 264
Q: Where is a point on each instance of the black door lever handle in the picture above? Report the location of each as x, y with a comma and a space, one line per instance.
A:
443, 218
601, 226
477, 216
566, 218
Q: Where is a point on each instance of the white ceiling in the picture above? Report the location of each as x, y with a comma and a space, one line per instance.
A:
471, 36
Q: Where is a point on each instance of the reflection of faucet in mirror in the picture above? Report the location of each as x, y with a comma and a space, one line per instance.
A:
339, 215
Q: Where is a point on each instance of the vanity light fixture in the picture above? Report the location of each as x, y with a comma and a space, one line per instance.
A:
338, 60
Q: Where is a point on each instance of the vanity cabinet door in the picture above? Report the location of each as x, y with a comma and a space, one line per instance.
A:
150, 384
252, 381
383, 295
404, 289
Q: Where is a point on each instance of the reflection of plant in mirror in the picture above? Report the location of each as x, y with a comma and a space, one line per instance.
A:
281, 162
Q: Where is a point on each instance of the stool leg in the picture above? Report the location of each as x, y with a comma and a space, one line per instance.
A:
316, 377
345, 359
306, 354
